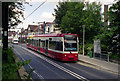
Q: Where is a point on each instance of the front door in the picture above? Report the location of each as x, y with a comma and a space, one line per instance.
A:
39, 45
46, 47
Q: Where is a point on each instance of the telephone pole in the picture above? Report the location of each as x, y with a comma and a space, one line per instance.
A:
5, 28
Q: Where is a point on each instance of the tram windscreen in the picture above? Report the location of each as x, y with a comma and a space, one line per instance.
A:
70, 43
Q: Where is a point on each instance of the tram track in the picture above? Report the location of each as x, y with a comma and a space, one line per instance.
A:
53, 72
35, 60
78, 69
58, 66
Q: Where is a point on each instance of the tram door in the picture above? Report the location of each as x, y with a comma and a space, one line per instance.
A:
46, 48
39, 45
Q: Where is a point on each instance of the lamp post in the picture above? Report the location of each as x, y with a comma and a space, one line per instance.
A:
83, 39
44, 26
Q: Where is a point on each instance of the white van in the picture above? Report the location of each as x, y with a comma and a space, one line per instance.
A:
15, 41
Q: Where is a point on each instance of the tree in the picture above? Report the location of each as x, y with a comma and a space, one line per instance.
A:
15, 13
76, 15
60, 12
109, 35
114, 17
114, 26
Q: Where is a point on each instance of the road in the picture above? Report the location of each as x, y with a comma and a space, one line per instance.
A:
50, 69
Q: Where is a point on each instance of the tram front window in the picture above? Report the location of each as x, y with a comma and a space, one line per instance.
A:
70, 46
70, 43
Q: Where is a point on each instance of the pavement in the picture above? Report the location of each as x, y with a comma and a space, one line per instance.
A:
108, 66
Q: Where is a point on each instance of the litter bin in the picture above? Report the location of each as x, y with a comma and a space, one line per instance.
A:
90, 54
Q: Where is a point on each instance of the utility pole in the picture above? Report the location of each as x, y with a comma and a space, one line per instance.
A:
83, 39
5, 28
44, 26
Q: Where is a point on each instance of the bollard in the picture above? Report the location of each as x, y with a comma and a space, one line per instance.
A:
90, 54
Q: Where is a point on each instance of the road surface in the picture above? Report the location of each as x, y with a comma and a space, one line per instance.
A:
50, 69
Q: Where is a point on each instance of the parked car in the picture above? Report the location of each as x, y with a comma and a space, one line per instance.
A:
15, 41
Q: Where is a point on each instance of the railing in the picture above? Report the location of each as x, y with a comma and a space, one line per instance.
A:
102, 56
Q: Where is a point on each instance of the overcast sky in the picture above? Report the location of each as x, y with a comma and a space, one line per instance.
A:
44, 13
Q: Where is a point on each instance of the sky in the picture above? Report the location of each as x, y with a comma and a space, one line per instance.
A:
44, 13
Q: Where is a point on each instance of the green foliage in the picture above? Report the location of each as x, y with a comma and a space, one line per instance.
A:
107, 33
9, 68
90, 47
29, 75
76, 14
15, 13
115, 56
60, 12
114, 17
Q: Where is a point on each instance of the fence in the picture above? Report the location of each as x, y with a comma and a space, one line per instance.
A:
102, 56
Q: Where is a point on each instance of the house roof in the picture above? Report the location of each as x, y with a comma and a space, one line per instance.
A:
33, 27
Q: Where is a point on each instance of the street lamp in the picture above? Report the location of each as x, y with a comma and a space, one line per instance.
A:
83, 39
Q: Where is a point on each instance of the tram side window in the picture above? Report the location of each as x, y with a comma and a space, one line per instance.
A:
59, 46
56, 45
52, 44
32, 41
42, 44
28, 41
37, 43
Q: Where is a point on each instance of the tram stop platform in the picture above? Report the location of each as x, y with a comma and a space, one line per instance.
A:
100, 64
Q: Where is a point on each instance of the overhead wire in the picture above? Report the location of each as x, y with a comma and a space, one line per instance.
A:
35, 9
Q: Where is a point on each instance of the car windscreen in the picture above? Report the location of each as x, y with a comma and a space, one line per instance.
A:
15, 40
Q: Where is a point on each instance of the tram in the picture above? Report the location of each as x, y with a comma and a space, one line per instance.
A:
62, 47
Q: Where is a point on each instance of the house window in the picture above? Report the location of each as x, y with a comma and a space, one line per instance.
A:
48, 29
54, 30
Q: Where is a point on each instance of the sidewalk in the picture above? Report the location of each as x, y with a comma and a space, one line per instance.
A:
112, 67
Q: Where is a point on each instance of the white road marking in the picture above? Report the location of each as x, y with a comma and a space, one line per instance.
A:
29, 65
59, 66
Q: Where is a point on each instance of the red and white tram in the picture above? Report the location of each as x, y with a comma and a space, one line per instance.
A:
62, 47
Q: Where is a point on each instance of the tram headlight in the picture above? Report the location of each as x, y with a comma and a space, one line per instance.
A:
65, 55
75, 55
